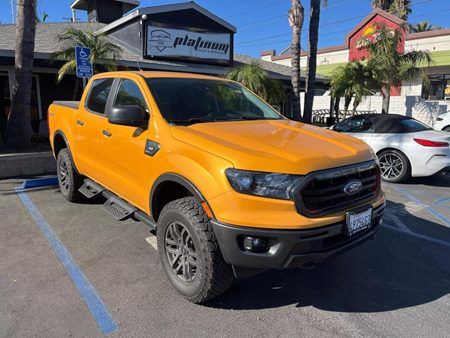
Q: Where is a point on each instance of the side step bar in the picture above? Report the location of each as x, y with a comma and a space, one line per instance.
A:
114, 205
90, 188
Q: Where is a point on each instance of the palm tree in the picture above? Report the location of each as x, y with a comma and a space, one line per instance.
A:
381, 4
104, 53
399, 8
353, 80
391, 67
256, 79
296, 16
314, 19
423, 26
18, 129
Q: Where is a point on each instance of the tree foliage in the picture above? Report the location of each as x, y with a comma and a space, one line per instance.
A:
353, 80
399, 8
423, 26
256, 79
391, 66
104, 53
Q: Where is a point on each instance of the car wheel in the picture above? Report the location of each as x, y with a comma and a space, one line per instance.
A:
69, 180
189, 251
394, 166
447, 129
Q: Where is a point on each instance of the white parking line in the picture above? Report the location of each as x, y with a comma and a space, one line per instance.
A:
152, 241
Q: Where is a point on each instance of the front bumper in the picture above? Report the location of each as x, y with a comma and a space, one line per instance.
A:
290, 248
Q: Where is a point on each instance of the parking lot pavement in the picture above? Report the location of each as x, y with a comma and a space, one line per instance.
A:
397, 285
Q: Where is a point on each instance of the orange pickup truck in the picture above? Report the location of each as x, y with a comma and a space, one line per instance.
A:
230, 186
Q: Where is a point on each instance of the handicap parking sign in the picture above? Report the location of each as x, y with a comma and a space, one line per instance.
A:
84, 65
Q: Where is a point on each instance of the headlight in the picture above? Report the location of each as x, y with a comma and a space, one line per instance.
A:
439, 119
262, 184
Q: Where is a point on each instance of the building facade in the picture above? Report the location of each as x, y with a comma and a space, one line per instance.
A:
410, 98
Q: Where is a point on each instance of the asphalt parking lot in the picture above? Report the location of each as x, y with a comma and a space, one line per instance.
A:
70, 270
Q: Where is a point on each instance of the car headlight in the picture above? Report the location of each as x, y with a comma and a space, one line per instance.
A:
262, 184
439, 119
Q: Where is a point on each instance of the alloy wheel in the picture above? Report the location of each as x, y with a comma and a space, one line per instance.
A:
181, 252
391, 165
64, 175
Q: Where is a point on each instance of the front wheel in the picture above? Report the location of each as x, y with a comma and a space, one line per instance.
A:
447, 129
189, 251
394, 166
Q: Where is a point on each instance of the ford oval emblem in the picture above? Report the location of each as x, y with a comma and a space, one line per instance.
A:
352, 187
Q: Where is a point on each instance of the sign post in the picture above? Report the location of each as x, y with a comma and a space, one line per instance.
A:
83, 61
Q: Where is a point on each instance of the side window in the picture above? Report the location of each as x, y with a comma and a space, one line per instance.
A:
98, 96
129, 94
355, 125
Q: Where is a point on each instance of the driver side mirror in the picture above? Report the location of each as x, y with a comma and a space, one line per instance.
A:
132, 116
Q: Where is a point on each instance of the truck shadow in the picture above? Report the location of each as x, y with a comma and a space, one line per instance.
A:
394, 271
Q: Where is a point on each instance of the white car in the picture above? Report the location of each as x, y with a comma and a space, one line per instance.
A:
405, 147
442, 122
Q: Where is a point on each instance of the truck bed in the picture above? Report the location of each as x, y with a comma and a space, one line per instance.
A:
70, 104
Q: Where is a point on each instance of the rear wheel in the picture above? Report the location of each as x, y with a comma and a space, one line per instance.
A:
69, 180
394, 166
189, 251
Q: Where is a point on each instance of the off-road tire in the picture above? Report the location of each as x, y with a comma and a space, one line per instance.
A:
213, 276
68, 179
406, 166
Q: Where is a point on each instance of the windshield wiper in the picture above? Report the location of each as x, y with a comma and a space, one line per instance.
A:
192, 120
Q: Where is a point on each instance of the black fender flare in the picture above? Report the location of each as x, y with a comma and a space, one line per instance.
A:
181, 180
59, 132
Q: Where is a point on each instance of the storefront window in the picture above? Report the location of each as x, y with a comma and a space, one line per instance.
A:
447, 87
439, 88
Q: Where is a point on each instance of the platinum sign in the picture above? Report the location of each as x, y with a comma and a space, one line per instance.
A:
166, 42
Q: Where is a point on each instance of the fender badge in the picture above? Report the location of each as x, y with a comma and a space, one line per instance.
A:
151, 148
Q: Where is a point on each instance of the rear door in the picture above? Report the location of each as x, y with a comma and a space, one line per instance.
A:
89, 121
126, 167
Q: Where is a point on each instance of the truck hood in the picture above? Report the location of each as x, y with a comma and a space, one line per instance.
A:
275, 145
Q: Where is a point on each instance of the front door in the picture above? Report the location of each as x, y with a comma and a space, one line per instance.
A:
126, 168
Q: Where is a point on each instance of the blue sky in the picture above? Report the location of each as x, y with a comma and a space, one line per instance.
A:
262, 24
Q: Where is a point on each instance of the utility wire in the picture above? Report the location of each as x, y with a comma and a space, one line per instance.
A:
306, 28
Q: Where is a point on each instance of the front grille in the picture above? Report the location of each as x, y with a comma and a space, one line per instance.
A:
322, 192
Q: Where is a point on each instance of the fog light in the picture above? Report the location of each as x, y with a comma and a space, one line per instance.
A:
255, 244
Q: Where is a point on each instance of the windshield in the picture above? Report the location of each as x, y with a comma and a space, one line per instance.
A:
186, 101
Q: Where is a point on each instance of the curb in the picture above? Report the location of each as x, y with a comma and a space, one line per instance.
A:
27, 164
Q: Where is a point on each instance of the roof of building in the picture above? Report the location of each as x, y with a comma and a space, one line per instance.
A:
46, 42
83, 4
168, 8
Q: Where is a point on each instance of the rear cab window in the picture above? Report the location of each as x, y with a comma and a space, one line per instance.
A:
98, 95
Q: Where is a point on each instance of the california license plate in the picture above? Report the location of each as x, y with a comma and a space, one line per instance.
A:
358, 220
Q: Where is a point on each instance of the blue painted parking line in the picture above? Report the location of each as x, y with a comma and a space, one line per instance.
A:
96, 306
40, 182
414, 199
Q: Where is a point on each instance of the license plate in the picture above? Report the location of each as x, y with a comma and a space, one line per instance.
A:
358, 220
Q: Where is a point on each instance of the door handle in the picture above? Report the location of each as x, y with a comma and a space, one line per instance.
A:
106, 133
80, 122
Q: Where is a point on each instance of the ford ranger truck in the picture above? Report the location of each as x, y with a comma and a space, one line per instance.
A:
230, 186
